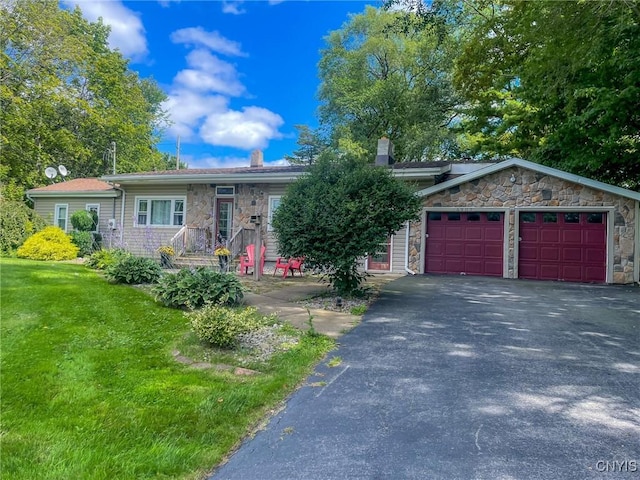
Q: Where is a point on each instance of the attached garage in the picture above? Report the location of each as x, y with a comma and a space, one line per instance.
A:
519, 219
568, 246
469, 243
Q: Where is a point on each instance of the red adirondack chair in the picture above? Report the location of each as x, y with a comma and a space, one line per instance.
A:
246, 261
290, 265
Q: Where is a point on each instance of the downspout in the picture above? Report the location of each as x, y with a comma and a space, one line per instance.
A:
406, 252
124, 198
636, 252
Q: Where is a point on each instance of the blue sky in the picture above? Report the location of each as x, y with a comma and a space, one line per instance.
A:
239, 74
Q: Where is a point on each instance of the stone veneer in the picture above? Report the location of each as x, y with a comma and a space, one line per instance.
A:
534, 189
250, 199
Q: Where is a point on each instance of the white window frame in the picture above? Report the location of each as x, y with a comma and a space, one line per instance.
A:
56, 215
88, 208
227, 195
149, 199
271, 210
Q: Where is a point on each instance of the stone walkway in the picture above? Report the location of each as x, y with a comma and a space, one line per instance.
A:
284, 298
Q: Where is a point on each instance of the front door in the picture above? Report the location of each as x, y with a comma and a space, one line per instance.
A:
381, 260
224, 218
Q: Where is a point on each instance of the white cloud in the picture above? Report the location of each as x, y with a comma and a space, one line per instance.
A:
198, 102
198, 37
209, 73
187, 109
251, 128
208, 161
127, 32
233, 7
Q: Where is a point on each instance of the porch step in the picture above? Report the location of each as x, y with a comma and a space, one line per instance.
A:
191, 260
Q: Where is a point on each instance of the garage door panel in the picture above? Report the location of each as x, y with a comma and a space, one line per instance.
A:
473, 243
473, 233
571, 254
549, 271
549, 254
454, 249
573, 248
473, 250
493, 251
454, 233
549, 236
528, 253
494, 234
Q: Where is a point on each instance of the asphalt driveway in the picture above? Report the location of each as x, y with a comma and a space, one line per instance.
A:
468, 378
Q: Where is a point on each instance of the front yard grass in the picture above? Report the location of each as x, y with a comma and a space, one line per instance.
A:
90, 390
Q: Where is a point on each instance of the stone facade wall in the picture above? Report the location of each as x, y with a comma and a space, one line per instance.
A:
200, 205
249, 199
534, 189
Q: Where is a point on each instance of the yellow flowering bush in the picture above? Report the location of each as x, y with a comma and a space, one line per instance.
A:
50, 243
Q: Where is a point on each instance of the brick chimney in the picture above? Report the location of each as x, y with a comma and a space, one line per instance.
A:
385, 152
257, 159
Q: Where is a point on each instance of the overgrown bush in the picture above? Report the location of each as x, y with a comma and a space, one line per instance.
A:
220, 326
49, 244
84, 221
192, 288
84, 242
134, 270
17, 223
103, 258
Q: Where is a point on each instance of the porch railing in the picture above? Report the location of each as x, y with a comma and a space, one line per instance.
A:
238, 243
191, 240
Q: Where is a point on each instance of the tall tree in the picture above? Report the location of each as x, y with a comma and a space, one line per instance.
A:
65, 97
556, 82
387, 73
311, 144
340, 211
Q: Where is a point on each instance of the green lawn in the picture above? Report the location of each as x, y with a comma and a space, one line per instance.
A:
90, 390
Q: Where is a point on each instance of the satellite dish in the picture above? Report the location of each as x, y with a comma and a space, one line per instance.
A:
50, 172
63, 170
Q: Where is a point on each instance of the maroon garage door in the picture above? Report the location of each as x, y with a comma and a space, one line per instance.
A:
469, 243
567, 246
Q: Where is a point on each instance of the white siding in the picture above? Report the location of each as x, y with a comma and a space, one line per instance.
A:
145, 240
45, 207
271, 253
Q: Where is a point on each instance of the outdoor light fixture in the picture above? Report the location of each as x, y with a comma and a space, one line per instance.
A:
513, 178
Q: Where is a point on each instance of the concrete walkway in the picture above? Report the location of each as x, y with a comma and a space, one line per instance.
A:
285, 302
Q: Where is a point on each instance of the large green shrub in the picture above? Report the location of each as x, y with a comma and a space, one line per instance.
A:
134, 270
220, 326
84, 242
17, 223
49, 244
192, 288
83, 221
103, 258
338, 213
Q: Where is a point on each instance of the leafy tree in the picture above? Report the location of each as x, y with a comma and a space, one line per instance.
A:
340, 211
311, 145
556, 82
17, 223
65, 96
387, 73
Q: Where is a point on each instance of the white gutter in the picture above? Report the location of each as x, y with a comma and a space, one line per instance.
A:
406, 252
202, 178
76, 194
254, 177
